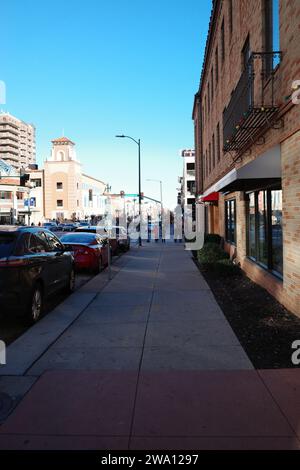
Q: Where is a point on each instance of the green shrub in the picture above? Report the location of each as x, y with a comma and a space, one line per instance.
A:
212, 238
226, 267
211, 253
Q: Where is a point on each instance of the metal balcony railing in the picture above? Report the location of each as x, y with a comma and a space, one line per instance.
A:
252, 104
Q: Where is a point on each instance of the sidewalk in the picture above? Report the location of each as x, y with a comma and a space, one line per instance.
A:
148, 361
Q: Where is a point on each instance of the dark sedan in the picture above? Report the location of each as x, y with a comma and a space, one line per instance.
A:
33, 264
67, 227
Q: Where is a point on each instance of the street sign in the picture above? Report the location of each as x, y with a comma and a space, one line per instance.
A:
30, 202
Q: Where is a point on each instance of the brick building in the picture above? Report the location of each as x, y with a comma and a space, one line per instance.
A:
247, 139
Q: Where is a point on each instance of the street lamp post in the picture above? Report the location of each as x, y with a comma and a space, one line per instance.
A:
29, 186
138, 142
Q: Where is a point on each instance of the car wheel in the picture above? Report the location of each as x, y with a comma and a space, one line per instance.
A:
71, 284
36, 304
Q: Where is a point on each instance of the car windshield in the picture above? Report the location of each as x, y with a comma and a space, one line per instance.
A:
7, 241
78, 238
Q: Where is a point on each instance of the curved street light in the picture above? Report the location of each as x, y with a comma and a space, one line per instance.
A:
138, 142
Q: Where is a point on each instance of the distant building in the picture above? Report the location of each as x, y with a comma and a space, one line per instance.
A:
186, 192
58, 191
17, 141
69, 193
12, 195
188, 178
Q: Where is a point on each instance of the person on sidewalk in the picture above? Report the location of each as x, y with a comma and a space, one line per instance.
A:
156, 233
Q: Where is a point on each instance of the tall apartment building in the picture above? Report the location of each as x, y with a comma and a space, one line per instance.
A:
247, 139
187, 180
17, 141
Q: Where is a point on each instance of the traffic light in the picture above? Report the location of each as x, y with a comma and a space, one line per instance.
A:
122, 193
24, 177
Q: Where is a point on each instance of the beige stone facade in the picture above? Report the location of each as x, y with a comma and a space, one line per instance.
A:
70, 194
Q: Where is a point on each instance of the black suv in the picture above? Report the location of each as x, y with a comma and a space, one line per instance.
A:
33, 264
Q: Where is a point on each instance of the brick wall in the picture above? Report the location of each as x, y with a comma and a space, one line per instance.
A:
290, 154
248, 21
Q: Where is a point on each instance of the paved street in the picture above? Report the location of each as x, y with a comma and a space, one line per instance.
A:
146, 360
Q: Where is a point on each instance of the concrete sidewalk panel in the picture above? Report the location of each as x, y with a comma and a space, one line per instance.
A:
123, 298
185, 281
284, 385
184, 306
119, 335
76, 403
88, 358
215, 332
25, 442
184, 403
121, 285
114, 314
196, 358
214, 443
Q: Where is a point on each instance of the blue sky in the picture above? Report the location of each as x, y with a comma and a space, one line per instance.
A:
98, 68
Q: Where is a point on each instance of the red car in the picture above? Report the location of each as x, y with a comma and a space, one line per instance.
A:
102, 232
90, 250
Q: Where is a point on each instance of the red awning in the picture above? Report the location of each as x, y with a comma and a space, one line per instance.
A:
212, 197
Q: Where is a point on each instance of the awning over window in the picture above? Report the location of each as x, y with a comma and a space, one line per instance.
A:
263, 171
212, 197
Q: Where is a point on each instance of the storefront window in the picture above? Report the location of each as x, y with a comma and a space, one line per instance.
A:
230, 220
276, 224
265, 228
251, 222
262, 227
6, 195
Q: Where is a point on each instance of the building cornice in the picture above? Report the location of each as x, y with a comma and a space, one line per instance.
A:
216, 7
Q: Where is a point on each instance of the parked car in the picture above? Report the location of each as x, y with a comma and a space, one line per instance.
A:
89, 249
33, 264
68, 227
102, 232
52, 226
